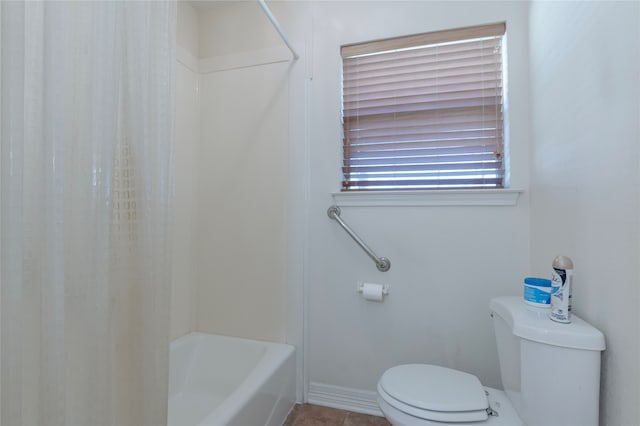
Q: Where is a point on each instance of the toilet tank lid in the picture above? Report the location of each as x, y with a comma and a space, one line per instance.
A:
534, 324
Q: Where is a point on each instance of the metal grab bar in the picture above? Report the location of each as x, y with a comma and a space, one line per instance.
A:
382, 263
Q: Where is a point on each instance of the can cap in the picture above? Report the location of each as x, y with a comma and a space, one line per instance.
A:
562, 262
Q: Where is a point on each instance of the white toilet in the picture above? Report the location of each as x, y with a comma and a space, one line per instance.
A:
550, 374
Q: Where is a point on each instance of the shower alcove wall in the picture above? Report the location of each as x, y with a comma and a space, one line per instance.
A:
232, 235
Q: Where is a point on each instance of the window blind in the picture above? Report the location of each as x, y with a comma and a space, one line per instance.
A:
424, 111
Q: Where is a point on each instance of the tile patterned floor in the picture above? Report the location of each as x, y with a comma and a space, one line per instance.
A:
315, 415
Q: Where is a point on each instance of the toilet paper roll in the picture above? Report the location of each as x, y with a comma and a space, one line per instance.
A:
372, 292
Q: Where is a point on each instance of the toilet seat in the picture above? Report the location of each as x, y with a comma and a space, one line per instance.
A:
434, 393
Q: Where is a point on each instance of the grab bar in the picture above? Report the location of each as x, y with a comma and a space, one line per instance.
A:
382, 263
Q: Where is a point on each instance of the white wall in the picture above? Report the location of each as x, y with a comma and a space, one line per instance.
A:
447, 261
237, 266
184, 272
243, 173
585, 91
233, 27
230, 236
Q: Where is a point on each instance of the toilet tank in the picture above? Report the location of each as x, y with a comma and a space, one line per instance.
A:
550, 371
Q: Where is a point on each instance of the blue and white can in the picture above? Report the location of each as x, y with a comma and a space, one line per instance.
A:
537, 292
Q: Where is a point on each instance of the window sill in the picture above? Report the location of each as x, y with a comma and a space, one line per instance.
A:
476, 197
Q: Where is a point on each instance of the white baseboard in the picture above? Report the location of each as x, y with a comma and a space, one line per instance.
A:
356, 400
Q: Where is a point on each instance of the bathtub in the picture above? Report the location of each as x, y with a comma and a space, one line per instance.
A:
219, 380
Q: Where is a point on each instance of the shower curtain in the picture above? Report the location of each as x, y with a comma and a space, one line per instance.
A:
86, 160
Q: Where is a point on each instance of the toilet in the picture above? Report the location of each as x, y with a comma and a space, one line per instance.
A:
550, 373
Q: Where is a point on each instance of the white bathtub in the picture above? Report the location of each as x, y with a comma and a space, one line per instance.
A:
218, 380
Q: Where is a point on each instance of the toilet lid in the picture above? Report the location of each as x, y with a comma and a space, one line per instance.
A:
434, 388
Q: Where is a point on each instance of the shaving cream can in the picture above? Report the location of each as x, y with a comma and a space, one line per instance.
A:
561, 282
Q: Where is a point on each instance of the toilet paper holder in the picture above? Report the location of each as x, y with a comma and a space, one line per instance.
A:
383, 291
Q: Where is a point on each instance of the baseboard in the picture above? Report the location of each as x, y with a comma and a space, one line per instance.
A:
356, 400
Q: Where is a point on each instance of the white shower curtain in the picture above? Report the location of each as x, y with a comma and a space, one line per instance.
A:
87, 128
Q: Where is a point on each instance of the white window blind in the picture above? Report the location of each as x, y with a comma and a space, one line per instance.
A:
424, 111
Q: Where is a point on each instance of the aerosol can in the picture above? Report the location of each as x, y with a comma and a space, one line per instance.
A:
561, 281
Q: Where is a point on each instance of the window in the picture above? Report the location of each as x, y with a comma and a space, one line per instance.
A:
424, 111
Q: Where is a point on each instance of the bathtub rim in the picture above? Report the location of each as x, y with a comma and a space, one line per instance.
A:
275, 356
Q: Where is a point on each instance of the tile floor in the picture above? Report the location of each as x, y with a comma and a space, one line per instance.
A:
315, 415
